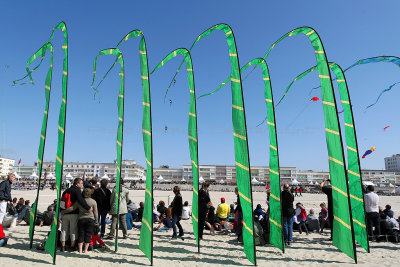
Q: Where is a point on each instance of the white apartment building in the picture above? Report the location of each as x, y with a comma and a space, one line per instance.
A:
6, 166
381, 176
393, 163
305, 177
167, 173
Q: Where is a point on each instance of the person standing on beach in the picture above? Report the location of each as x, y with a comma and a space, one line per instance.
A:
87, 221
5, 195
287, 214
123, 210
372, 211
102, 195
204, 199
238, 217
177, 205
327, 190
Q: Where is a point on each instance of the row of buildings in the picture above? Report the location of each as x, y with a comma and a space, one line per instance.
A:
209, 172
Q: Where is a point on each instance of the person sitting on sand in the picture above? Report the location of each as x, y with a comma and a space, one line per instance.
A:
301, 216
48, 216
165, 225
211, 222
186, 211
3, 237
260, 212
223, 210
312, 221
96, 239
388, 211
140, 211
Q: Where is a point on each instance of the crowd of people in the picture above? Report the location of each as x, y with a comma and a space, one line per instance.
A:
87, 207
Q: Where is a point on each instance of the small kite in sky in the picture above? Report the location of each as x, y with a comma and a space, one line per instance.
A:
341, 111
369, 151
170, 102
166, 128
386, 127
315, 99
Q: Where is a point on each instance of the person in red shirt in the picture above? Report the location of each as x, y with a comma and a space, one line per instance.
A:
3, 238
96, 239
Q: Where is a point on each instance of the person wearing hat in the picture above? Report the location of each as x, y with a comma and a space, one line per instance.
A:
223, 210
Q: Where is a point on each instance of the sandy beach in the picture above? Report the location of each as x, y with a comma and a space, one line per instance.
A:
220, 249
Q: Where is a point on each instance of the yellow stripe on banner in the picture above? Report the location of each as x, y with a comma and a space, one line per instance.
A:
64, 47
228, 33
332, 131
291, 33
266, 79
232, 55
120, 119
319, 52
352, 149
271, 123
119, 143
340, 80
58, 159
235, 80
339, 190
64, 100
45, 112
192, 114
55, 221
345, 102
309, 33
324, 76
247, 228
354, 173
34, 57
60, 129
65, 73
146, 223
192, 91
275, 197
328, 103
121, 74
148, 192
121, 96
359, 223
146, 132
162, 63
47, 87
40, 162
194, 163
274, 222
332, 64
242, 166
146, 104
118, 169
175, 53
189, 70
240, 136
192, 138
145, 77
274, 172
42, 136
349, 125
274, 148
148, 162
342, 222
63, 28
127, 37
357, 198
336, 161
268, 100
244, 197
142, 52
111, 51
194, 217
237, 107
195, 191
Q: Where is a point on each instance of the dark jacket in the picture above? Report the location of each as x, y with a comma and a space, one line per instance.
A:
5, 190
204, 198
238, 206
76, 196
102, 197
287, 204
177, 205
162, 210
211, 215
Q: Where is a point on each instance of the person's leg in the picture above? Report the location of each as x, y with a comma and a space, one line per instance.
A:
73, 229
102, 222
21, 215
285, 228
64, 231
178, 223
377, 223
174, 220
81, 234
90, 248
88, 228
370, 225
3, 210
212, 231
290, 229
202, 219
123, 224
3, 242
113, 226
163, 229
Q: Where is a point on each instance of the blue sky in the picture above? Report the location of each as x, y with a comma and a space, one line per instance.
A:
350, 30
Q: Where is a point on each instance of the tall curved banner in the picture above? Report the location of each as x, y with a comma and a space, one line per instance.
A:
51, 244
353, 164
116, 52
192, 133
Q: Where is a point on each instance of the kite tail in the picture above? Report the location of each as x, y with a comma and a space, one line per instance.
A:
384, 91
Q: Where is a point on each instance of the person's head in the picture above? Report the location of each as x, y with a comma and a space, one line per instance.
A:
232, 206
104, 183
55, 201
88, 180
78, 182
50, 208
286, 187
222, 200
87, 192
161, 203
312, 211
370, 188
258, 206
21, 201
186, 204
388, 207
11, 177
93, 181
322, 205
15, 200
383, 216
121, 181
163, 216
210, 204
236, 191
141, 204
205, 186
176, 190
27, 202
96, 230
298, 204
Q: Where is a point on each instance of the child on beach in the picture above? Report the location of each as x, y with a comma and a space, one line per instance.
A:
96, 239
323, 216
3, 238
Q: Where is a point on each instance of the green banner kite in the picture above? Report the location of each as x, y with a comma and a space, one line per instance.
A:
192, 132
116, 52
